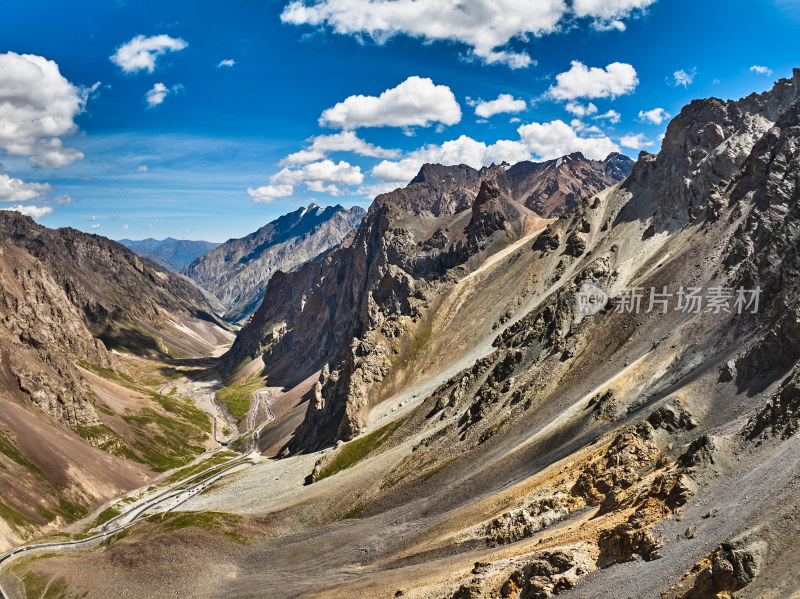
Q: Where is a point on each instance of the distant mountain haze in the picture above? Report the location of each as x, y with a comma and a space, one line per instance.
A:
174, 254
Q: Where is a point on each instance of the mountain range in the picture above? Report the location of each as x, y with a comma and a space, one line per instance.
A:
571, 378
174, 254
238, 271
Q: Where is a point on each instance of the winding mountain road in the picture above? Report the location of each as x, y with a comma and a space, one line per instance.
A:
179, 492
138, 511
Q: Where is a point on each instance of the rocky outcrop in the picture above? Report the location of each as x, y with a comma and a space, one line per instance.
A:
42, 334
369, 293
238, 271
706, 145
780, 417
730, 568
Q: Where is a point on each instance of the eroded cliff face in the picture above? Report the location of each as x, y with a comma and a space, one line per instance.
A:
351, 310
59, 291
43, 333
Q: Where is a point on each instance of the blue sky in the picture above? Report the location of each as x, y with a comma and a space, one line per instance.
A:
214, 153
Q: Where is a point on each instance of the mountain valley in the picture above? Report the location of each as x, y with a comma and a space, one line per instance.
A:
573, 378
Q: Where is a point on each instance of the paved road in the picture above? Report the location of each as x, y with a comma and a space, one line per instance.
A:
137, 512
263, 393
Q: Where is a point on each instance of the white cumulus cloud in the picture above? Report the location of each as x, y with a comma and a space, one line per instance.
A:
17, 190
580, 81
683, 78
612, 116
655, 116
542, 140
32, 211
505, 103
636, 142
38, 106
463, 150
346, 141
485, 27
557, 138
159, 92
608, 13
268, 193
417, 101
142, 168
324, 176
761, 70
141, 53
228, 62
581, 110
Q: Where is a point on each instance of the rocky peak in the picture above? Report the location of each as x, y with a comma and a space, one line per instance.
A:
438, 175
617, 166
706, 145
555, 187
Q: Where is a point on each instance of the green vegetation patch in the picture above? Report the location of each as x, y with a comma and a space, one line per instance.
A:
126, 336
13, 517
8, 449
107, 514
236, 396
70, 510
354, 512
104, 438
356, 450
184, 410
106, 373
171, 447
244, 361
215, 460
206, 520
38, 585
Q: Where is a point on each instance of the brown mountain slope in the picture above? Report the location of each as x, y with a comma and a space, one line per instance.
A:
65, 295
373, 290
646, 453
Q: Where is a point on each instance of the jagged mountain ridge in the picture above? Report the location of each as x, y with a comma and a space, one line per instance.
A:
548, 188
238, 271
410, 238
66, 299
68, 294
174, 254
619, 454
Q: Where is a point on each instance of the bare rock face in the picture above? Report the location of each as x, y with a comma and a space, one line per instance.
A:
57, 288
367, 294
555, 187
41, 331
238, 271
706, 145
103, 278
730, 568
781, 416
